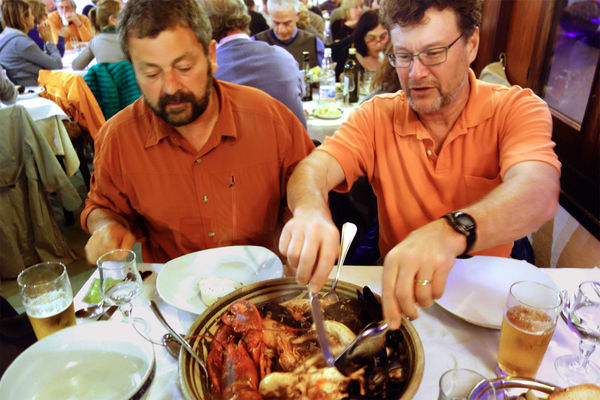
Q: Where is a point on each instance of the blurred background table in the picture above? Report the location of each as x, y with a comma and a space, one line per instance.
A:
319, 128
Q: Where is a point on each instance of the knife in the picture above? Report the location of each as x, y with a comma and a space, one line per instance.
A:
317, 314
108, 313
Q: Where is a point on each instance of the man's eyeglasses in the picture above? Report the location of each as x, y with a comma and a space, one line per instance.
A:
374, 38
428, 57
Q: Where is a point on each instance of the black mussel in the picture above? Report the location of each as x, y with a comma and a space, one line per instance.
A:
370, 308
346, 311
281, 314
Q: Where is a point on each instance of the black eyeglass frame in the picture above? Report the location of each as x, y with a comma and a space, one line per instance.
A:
392, 56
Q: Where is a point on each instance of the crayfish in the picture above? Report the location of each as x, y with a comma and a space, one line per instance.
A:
236, 359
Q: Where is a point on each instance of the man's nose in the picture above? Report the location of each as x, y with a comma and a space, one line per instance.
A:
417, 69
171, 83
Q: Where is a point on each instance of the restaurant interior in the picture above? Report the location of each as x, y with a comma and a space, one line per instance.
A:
549, 46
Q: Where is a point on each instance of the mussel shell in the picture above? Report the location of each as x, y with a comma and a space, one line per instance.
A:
195, 386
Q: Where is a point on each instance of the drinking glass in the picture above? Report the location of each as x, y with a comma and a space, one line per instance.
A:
47, 297
74, 43
583, 317
461, 384
120, 281
527, 327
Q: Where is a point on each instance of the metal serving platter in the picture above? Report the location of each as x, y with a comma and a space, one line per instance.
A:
511, 387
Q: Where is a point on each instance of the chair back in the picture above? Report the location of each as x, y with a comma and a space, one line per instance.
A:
74, 96
114, 86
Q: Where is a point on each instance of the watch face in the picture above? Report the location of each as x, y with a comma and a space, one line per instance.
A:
464, 219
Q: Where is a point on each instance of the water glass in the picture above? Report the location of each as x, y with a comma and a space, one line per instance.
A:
47, 297
460, 383
527, 327
120, 281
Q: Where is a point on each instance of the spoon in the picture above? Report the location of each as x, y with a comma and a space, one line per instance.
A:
178, 337
92, 311
171, 344
367, 343
348, 233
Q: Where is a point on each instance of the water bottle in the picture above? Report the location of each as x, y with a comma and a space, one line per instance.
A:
327, 85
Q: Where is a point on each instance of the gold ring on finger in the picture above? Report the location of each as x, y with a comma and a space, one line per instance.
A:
423, 282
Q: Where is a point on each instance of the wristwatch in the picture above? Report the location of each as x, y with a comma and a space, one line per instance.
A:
463, 223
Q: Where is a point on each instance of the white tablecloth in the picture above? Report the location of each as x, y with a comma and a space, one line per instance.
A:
319, 129
448, 341
67, 60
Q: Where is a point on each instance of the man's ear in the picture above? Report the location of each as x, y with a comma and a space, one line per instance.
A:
473, 45
212, 55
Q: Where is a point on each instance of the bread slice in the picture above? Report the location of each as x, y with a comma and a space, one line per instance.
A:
579, 392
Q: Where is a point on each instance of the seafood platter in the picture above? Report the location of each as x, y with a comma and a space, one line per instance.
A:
259, 342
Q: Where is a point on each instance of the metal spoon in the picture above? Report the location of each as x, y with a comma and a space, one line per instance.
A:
178, 337
348, 233
367, 343
171, 344
92, 311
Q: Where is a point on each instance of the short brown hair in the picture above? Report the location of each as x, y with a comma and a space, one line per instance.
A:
148, 18
38, 10
410, 12
12, 14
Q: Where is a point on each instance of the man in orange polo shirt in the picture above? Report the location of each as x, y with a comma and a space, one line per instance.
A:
195, 163
65, 22
458, 166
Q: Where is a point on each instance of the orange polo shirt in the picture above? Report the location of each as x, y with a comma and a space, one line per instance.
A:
83, 34
385, 141
178, 200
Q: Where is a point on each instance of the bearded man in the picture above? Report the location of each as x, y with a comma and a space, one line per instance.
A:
459, 166
195, 163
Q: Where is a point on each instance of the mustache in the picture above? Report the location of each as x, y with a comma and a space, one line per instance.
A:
412, 84
178, 97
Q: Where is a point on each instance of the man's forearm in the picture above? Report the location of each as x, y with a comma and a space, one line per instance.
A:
313, 178
526, 199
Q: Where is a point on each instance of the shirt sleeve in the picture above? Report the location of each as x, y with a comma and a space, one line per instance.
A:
85, 30
47, 60
83, 59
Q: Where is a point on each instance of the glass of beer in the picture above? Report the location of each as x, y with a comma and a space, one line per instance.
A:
527, 327
47, 297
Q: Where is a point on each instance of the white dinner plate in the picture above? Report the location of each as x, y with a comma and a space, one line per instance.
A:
95, 361
477, 287
30, 92
177, 282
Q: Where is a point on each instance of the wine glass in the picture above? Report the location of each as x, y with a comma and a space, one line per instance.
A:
120, 281
583, 318
74, 43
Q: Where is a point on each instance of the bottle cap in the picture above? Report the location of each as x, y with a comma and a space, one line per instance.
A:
352, 50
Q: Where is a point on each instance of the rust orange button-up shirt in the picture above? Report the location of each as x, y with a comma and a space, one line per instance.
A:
178, 200
385, 141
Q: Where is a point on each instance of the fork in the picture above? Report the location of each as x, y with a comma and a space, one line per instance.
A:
348, 233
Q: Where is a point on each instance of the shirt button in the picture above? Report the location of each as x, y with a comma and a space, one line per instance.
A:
198, 160
205, 199
211, 234
429, 152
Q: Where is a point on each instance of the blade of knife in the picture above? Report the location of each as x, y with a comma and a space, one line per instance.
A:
317, 315
105, 316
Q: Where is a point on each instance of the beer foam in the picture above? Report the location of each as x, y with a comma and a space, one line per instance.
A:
48, 304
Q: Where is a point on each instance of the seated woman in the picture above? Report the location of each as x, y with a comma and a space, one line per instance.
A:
40, 18
19, 55
370, 39
351, 11
105, 45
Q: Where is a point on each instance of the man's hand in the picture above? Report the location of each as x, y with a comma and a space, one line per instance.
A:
72, 18
110, 236
311, 243
45, 31
416, 269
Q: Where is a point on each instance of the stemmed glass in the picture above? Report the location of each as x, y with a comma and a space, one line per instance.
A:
583, 318
120, 281
74, 43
